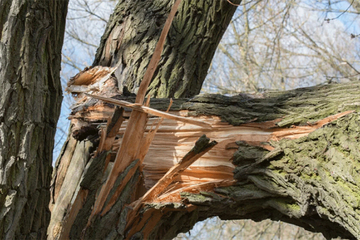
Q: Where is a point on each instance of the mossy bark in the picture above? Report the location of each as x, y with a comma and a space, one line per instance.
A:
313, 181
134, 29
31, 34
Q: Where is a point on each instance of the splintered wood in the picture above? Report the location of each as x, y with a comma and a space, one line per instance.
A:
201, 147
134, 132
174, 139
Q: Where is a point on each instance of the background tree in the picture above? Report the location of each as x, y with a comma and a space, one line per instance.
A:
31, 34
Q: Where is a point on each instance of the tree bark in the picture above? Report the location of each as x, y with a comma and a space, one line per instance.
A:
308, 178
31, 34
134, 29
157, 197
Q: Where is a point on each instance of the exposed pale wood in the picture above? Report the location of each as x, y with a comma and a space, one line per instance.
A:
69, 188
61, 169
174, 139
147, 140
201, 147
89, 75
164, 182
300, 131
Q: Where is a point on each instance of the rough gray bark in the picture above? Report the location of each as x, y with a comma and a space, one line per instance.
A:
31, 34
133, 31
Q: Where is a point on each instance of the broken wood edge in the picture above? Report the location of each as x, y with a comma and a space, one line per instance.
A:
166, 180
126, 154
304, 130
202, 146
89, 74
300, 131
319, 124
146, 142
152, 197
151, 111
151, 135
120, 166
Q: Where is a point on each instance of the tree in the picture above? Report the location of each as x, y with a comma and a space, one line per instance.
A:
31, 34
283, 179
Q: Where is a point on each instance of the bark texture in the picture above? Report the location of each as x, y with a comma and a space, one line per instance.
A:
312, 181
31, 34
278, 183
134, 29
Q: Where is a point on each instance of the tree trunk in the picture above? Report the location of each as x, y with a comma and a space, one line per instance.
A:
134, 29
31, 34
